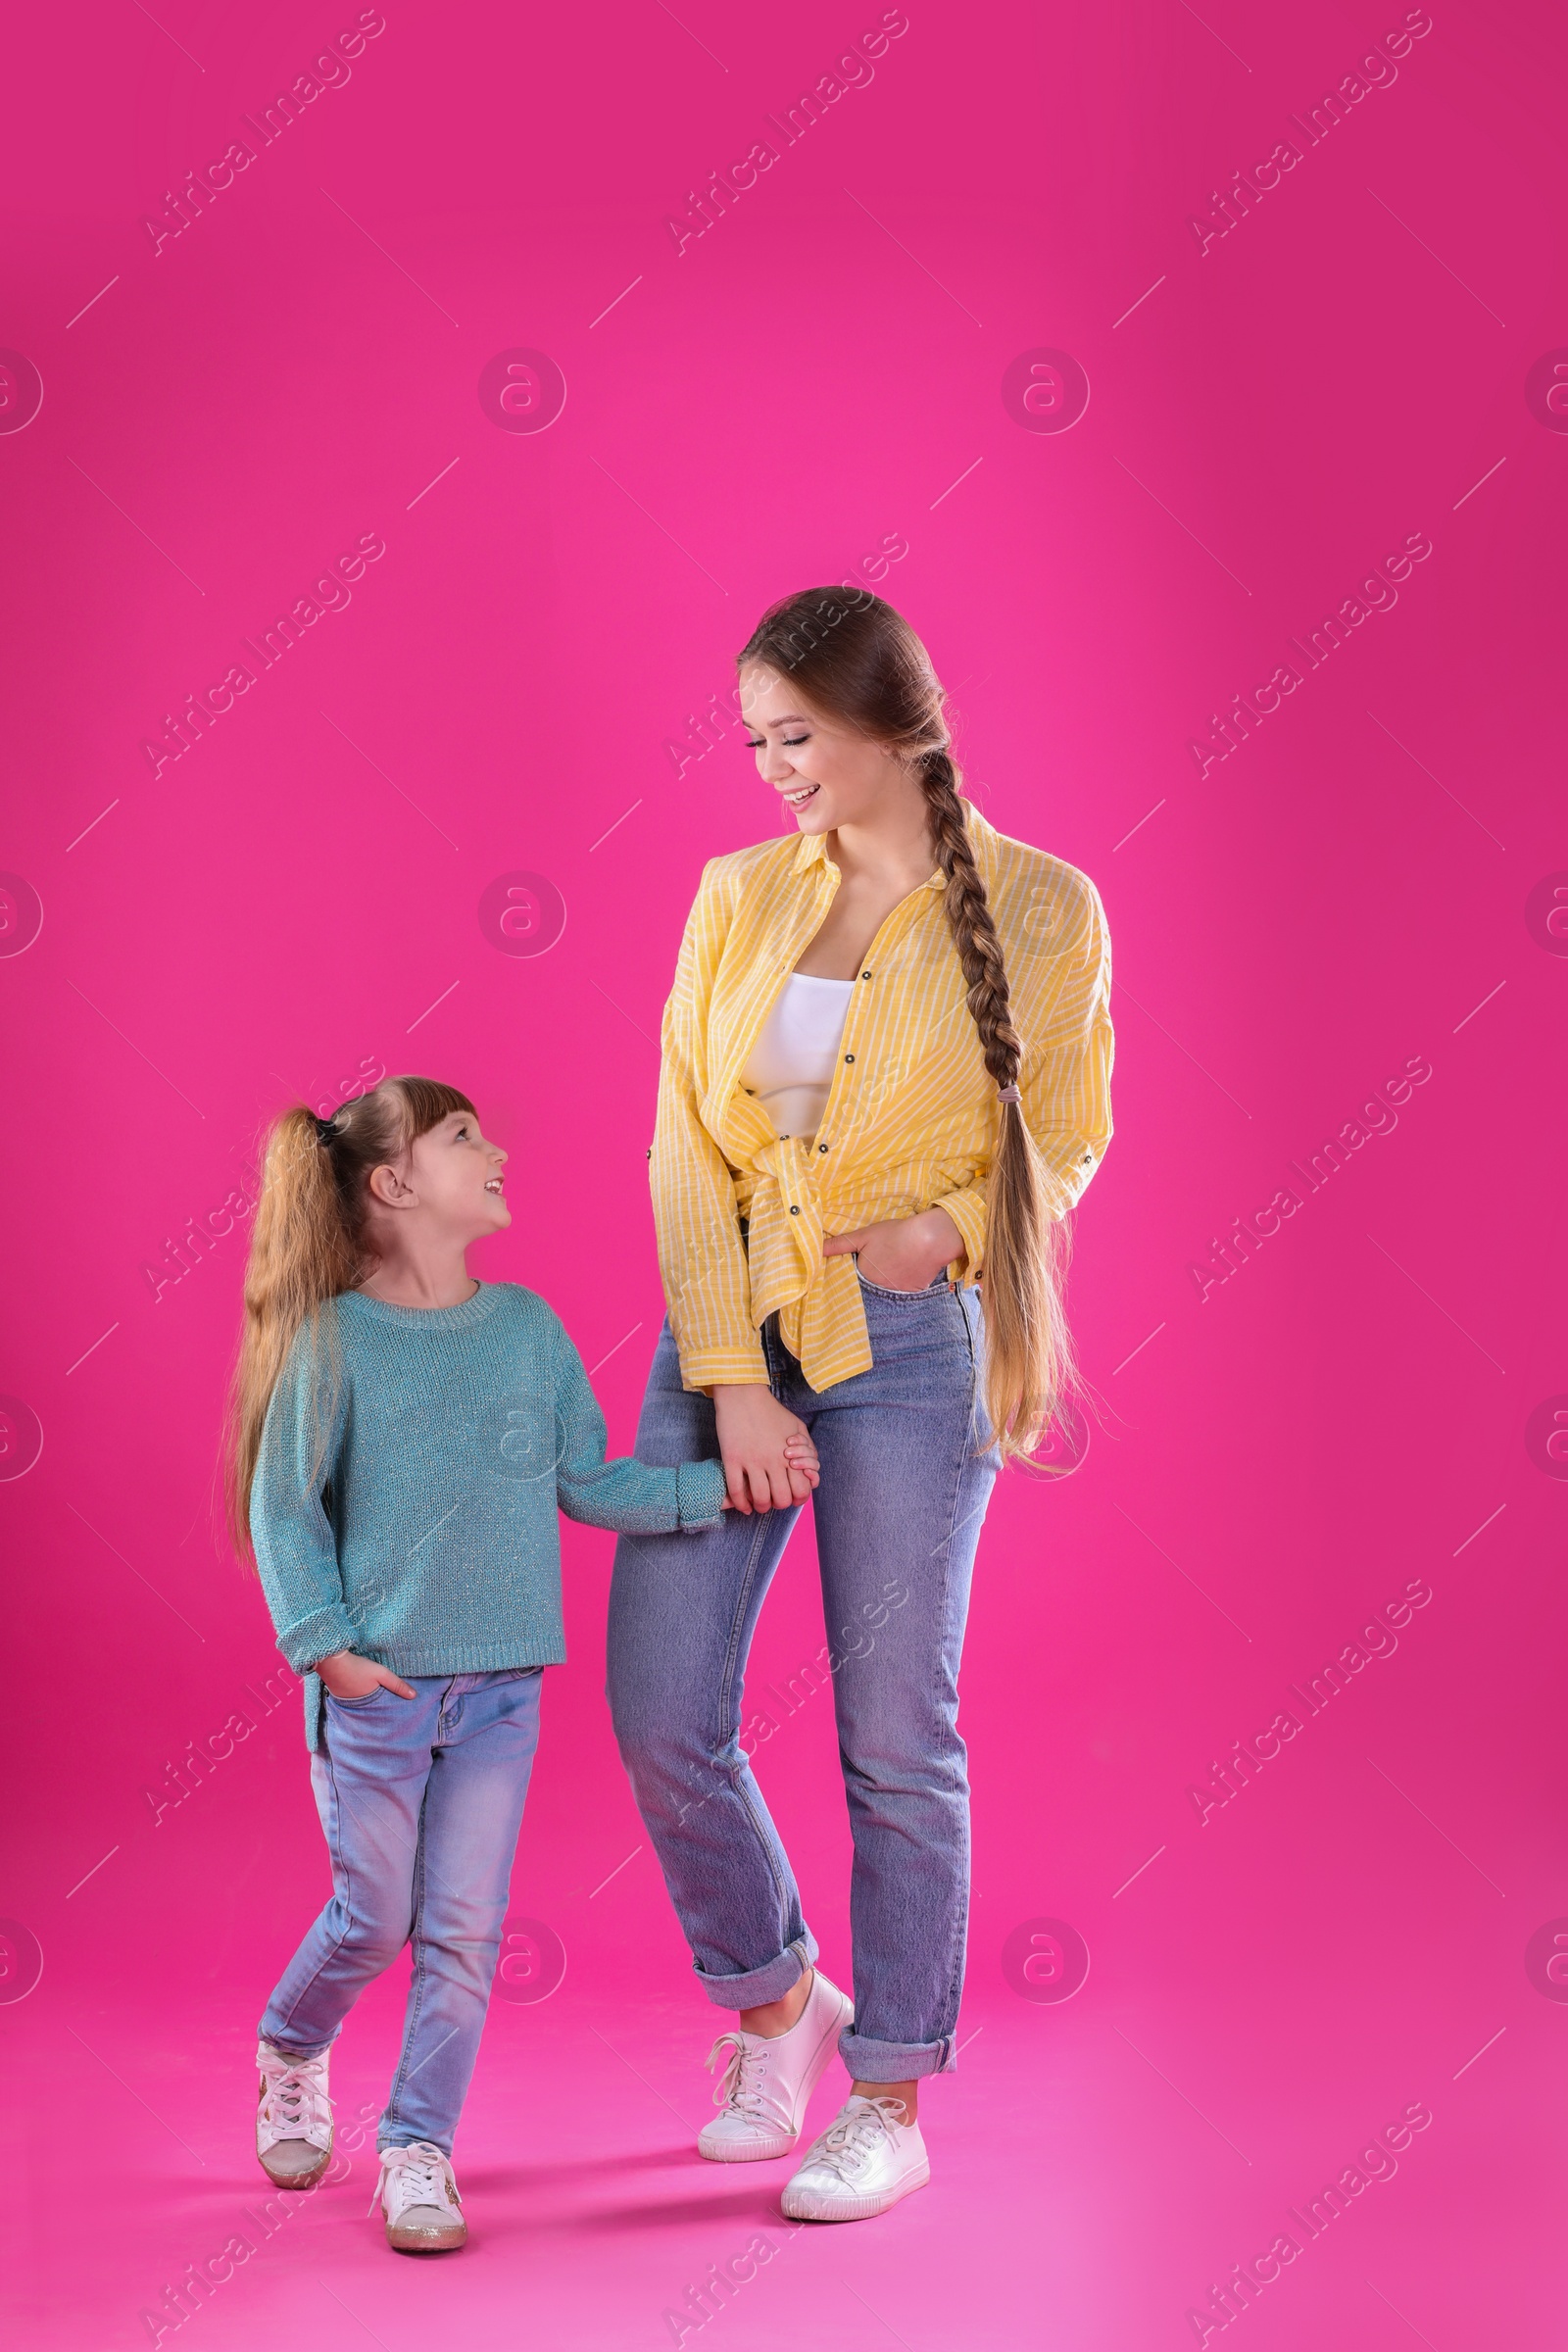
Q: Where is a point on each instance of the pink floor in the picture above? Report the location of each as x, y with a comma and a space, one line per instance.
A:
1079, 2198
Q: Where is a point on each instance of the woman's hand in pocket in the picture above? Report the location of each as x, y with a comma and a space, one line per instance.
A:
769, 1460
902, 1253
349, 1676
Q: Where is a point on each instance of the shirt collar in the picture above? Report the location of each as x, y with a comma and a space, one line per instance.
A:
811, 851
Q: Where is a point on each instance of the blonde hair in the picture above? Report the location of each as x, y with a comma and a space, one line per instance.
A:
859, 662
310, 1243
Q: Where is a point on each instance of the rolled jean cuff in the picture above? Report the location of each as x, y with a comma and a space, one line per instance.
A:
769, 1982
895, 2061
300, 2057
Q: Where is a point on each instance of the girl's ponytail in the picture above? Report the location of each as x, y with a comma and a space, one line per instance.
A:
310, 1243
300, 1255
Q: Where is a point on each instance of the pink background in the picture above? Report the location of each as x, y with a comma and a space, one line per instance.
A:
296, 898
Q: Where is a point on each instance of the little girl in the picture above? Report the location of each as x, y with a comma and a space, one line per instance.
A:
401, 1437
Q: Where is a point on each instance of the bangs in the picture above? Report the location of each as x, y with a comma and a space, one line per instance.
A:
425, 1102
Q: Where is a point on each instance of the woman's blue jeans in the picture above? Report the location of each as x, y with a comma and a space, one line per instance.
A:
422, 1800
908, 1468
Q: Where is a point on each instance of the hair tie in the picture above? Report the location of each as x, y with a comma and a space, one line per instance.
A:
325, 1129
1009, 1094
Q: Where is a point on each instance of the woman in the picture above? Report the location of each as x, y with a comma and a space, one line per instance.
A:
886, 1070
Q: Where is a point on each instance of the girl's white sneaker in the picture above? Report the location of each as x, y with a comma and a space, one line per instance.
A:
417, 2190
293, 2118
865, 2161
768, 2078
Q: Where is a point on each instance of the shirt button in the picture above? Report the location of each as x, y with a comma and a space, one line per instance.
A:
794, 1212
849, 1057
821, 1146
865, 975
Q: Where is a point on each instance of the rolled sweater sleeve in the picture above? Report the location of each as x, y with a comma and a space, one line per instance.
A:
296, 1546
633, 1497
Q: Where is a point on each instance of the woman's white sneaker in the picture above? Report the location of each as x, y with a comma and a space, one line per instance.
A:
768, 2078
865, 2161
418, 2191
293, 2118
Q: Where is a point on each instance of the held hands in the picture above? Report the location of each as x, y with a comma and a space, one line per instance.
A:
349, 1676
769, 1460
902, 1253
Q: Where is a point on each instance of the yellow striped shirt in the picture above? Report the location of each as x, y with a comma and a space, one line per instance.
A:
911, 1119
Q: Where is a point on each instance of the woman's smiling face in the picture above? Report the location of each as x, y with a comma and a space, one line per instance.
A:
825, 775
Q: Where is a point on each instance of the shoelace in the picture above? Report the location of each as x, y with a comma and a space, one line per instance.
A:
416, 2174
739, 2086
848, 2142
295, 2100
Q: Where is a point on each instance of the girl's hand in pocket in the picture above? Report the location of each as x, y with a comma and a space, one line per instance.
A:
349, 1676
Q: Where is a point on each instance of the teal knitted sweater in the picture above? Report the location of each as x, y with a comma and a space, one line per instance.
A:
411, 1465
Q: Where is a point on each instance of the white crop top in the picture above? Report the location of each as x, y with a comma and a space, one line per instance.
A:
791, 1066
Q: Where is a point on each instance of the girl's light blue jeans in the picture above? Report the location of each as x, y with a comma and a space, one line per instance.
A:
422, 1800
908, 1468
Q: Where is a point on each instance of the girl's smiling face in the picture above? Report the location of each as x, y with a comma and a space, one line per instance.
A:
449, 1179
825, 775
